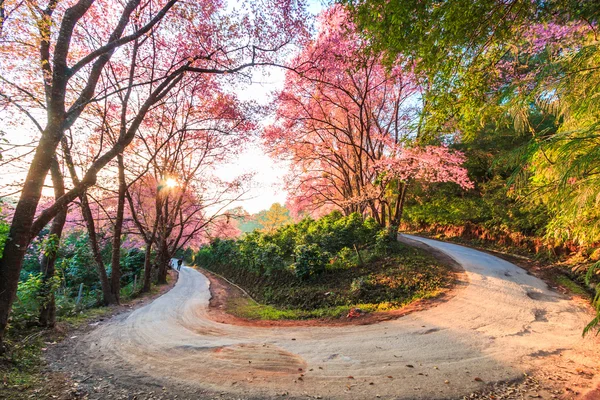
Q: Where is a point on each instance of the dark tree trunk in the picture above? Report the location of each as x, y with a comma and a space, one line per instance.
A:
374, 212
163, 258
399, 208
20, 234
47, 316
115, 278
147, 268
402, 200
148, 238
107, 294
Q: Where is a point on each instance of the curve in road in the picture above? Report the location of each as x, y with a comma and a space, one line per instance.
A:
502, 324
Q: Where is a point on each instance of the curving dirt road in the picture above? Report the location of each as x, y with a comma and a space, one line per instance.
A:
502, 324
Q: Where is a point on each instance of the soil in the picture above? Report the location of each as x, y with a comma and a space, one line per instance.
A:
545, 270
558, 378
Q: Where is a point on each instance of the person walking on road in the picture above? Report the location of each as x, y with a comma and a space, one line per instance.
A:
179, 262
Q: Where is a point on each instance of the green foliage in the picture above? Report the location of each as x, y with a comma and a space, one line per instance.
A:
269, 256
595, 323
305, 248
386, 241
49, 245
493, 156
132, 264
310, 261
27, 303
77, 262
4, 228
345, 258
306, 270
33, 292
74, 266
186, 255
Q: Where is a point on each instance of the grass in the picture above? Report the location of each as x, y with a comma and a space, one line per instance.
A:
21, 371
571, 285
245, 308
381, 283
82, 317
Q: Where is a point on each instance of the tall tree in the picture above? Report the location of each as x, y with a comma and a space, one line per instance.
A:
178, 199
273, 218
341, 118
62, 51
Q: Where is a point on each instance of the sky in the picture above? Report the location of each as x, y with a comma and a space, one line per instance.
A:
267, 186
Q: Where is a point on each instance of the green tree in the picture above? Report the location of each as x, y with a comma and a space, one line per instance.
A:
274, 217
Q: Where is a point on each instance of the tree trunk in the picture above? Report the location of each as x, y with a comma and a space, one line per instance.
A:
20, 234
374, 212
163, 258
115, 277
399, 209
107, 294
47, 316
147, 268
402, 200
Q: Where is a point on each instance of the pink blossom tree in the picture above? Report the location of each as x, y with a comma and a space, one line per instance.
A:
346, 123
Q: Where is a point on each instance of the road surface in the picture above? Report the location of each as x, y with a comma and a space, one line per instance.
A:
503, 323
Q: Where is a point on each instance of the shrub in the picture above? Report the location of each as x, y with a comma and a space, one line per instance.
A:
132, 264
27, 303
269, 256
345, 258
310, 261
386, 241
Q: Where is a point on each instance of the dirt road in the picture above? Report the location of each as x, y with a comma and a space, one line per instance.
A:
502, 324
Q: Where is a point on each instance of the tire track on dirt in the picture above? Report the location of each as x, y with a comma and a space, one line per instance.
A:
503, 324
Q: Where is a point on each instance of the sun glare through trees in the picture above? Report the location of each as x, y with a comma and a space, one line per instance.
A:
286, 163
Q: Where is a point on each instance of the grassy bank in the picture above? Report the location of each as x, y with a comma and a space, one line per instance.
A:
323, 269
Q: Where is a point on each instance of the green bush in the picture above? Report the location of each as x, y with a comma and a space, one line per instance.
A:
345, 258
386, 241
26, 306
269, 257
310, 261
306, 247
132, 264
